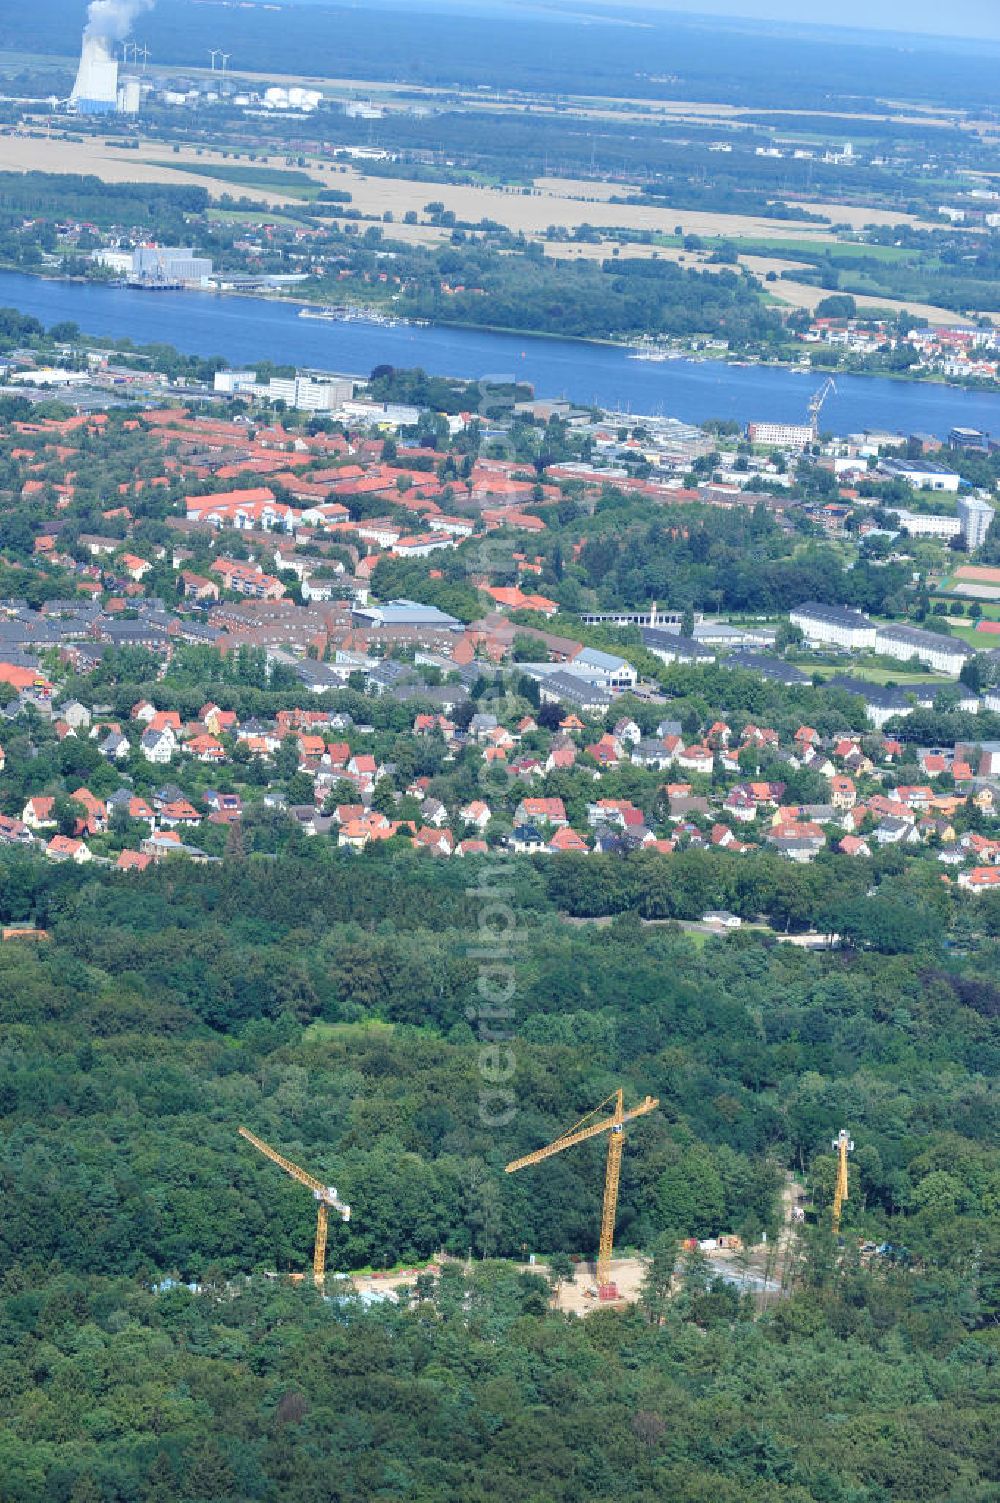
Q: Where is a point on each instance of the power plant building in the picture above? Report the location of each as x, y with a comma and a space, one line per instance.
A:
98, 90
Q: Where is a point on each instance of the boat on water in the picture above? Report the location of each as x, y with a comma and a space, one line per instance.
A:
654, 353
348, 313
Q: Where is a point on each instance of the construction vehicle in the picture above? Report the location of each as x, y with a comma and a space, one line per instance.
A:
842, 1146
324, 1195
588, 1128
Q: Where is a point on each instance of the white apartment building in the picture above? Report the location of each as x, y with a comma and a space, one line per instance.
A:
975, 516
782, 435
927, 524
943, 654
834, 626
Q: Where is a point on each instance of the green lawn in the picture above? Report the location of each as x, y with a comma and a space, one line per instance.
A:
320, 1032
850, 249
250, 216
273, 179
875, 675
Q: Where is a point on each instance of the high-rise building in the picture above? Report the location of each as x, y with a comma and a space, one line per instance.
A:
975, 516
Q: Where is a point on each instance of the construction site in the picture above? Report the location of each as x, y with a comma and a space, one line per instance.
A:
764, 1272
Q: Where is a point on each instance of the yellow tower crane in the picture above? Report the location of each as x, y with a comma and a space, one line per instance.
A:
843, 1144
587, 1128
324, 1195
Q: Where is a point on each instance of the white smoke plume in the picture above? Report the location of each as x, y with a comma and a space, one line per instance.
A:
112, 19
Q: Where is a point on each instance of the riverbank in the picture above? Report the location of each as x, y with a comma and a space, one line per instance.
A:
244, 330
632, 347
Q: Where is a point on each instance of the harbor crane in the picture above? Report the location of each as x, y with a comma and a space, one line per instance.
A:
817, 400
324, 1195
588, 1128
843, 1144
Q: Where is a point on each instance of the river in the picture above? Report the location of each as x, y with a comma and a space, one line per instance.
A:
246, 329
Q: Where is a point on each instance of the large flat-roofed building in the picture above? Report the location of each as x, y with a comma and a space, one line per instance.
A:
926, 524
310, 393
943, 654
920, 474
833, 626
975, 516
406, 613
969, 438
153, 265
782, 435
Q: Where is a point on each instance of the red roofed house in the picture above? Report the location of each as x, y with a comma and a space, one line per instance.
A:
980, 879
133, 861
37, 813
63, 848
565, 841
548, 810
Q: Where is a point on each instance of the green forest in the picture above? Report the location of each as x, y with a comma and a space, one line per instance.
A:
329, 1003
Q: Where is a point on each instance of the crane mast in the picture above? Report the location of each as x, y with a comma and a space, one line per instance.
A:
817, 400
324, 1195
582, 1130
843, 1144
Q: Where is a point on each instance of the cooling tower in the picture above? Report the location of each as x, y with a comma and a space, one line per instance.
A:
96, 89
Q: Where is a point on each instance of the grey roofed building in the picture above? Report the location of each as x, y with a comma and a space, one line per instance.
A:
882, 695
115, 744
795, 847
833, 625
31, 628
388, 674
671, 647
567, 688
610, 843
320, 676
87, 655
135, 634
525, 837
196, 631
467, 672
605, 668
443, 698
651, 752
881, 702
776, 670
16, 655
725, 634
404, 613
906, 641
